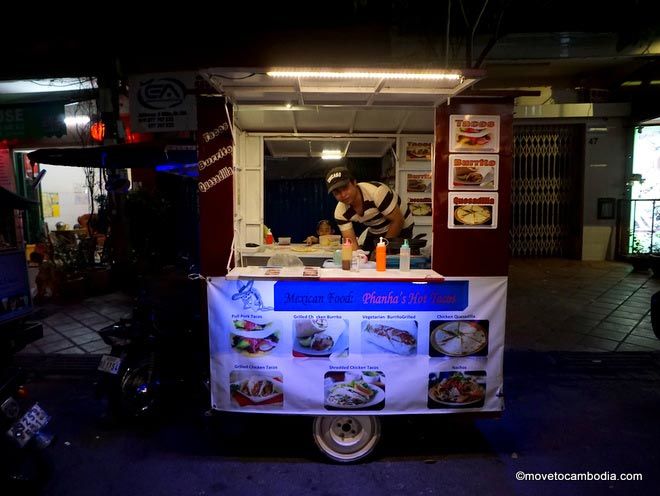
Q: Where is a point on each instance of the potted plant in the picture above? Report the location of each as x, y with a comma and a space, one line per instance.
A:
69, 262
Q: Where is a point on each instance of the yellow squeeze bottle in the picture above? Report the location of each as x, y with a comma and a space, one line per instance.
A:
381, 255
346, 254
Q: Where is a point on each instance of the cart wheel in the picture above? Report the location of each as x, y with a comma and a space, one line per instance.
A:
346, 438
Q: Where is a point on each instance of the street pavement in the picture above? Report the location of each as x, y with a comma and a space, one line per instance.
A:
567, 413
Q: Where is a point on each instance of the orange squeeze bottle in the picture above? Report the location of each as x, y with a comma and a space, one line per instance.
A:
381, 255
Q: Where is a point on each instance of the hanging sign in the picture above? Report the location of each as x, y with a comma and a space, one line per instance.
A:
163, 102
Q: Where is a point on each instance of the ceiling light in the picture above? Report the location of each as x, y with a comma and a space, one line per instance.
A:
78, 119
331, 154
429, 76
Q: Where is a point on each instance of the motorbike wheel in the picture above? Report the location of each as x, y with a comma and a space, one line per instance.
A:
346, 438
141, 389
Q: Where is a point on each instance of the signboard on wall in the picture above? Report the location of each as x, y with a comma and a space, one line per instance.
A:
215, 145
36, 120
7, 170
474, 133
323, 347
163, 102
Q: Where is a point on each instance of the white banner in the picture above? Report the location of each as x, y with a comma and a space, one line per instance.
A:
379, 347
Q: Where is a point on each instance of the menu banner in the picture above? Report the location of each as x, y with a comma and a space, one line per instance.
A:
438, 351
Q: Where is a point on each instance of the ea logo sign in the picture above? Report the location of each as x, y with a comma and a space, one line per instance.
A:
163, 93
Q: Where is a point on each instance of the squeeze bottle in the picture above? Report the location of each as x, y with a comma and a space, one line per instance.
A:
404, 257
346, 254
269, 237
381, 255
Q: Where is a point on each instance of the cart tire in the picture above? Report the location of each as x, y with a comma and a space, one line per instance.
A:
346, 438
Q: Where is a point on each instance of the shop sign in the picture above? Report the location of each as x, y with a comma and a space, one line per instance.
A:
163, 102
32, 120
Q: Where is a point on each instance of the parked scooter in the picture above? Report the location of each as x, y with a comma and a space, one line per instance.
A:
159, 356
23, 436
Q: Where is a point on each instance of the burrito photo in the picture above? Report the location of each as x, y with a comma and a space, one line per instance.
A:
390, 339
318, 334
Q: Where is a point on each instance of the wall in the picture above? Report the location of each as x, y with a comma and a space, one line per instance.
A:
69, 183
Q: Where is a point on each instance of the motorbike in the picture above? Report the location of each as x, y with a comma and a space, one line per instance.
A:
159, 356
24, 436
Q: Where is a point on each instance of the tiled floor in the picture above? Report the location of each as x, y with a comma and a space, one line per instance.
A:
72, 329
567, 305
552, 305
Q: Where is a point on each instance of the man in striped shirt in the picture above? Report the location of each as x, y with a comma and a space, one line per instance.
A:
373, 204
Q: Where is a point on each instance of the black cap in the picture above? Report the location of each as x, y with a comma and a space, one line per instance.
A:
338, 178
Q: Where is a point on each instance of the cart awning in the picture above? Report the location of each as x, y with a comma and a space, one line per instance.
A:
124, 156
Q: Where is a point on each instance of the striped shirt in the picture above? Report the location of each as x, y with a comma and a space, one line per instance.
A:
378, 200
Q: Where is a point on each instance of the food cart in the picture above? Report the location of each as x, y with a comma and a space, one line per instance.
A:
348, 347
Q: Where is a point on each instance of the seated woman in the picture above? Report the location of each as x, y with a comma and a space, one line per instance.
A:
322, 228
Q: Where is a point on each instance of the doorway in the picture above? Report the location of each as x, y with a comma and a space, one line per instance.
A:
644, 210
546, 200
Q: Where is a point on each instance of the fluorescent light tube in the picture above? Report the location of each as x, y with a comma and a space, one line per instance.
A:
331, 154
432, 76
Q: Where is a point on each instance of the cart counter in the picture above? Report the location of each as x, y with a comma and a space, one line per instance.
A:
315, 341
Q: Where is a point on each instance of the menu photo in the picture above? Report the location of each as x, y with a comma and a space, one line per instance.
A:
421, 207
478, 172
418, 182
418, 151
472, 210
474, 133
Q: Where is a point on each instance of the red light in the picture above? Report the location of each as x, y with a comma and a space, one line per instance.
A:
21, 392
97, 131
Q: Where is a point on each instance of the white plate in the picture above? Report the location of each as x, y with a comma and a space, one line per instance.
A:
378, 397
341, 344
487, 178
454, 403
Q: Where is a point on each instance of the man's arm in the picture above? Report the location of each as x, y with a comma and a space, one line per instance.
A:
350, 234
396, 223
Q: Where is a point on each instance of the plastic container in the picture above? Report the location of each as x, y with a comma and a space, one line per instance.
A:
269, 237
283, 241
404, 257
381, 255
329, 239
346, 254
